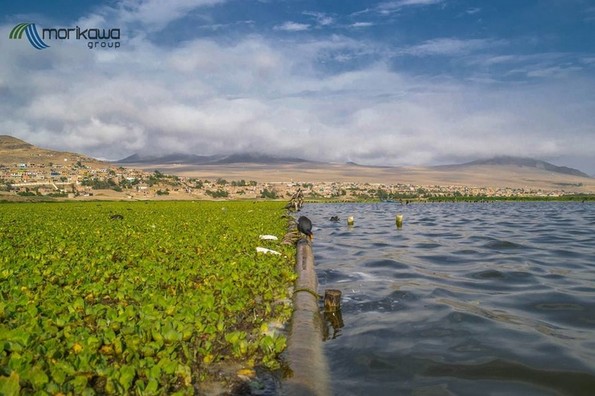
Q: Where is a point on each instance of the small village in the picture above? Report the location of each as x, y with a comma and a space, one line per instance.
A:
75, 179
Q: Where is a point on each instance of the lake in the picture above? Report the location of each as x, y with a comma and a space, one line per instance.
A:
464, 299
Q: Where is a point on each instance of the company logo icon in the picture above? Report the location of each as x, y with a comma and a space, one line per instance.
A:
32, 35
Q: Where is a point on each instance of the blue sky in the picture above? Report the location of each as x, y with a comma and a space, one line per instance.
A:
400, 82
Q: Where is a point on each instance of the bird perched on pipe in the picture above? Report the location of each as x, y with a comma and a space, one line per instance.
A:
304, 226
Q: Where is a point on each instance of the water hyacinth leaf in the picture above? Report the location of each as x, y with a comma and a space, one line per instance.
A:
147, 351
155, 372
16, 362
52, 388
93, 343
267, 344
32, 310
126, 377
111, 386
109, 336
12, 346
187, 332
9, 386
168, 366
20, 337
152, 386
156, 335
36, 376
170, 335
60, 371
79, 383
280, 343
117, 344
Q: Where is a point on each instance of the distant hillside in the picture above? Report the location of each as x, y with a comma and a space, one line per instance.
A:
13, 150
258, 159
191, 159
498, 171
523, 162
11, 143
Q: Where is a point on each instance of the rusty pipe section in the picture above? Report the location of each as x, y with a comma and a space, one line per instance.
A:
308, 365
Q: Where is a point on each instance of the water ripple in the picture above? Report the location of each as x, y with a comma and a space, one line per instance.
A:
464, 299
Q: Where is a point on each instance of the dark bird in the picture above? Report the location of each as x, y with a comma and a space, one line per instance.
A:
335, 218
305, 226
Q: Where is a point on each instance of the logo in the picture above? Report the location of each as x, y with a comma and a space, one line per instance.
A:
94, 37
32, 35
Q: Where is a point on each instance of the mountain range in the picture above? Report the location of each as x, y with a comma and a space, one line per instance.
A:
256, 158
526, 170
523, 162
192, 159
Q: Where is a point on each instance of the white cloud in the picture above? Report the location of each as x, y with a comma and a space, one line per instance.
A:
361, 24
322, 19
292, 26
553, 72
404, 3
388, 7
448, 47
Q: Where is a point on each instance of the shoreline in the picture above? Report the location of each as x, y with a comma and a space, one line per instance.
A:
7, 199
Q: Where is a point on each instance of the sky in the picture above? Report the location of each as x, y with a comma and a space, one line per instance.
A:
383, 82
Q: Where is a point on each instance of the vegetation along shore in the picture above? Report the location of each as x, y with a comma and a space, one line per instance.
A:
140, 297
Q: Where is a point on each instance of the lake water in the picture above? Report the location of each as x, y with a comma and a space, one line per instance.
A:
464, 299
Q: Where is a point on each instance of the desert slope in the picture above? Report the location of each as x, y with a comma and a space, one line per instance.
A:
13, 150
471, 175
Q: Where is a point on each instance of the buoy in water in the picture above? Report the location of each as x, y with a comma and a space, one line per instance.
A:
350, 220
399, 220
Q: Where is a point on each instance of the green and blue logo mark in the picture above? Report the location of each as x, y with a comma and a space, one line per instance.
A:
93, 37
31, 32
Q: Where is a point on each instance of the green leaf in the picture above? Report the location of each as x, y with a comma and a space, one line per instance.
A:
152, 387
79, 384
60, 370
170, 335
37, 377
93, 343
127, 374
9, 386
155, 372
280, 344
167, 365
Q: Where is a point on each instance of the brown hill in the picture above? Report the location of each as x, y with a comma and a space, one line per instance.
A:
496, 176
524, 163
14, 151
12, 143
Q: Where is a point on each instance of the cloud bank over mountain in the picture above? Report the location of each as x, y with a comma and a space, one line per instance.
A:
339, 83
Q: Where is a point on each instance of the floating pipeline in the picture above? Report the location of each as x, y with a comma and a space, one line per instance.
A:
309, 373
